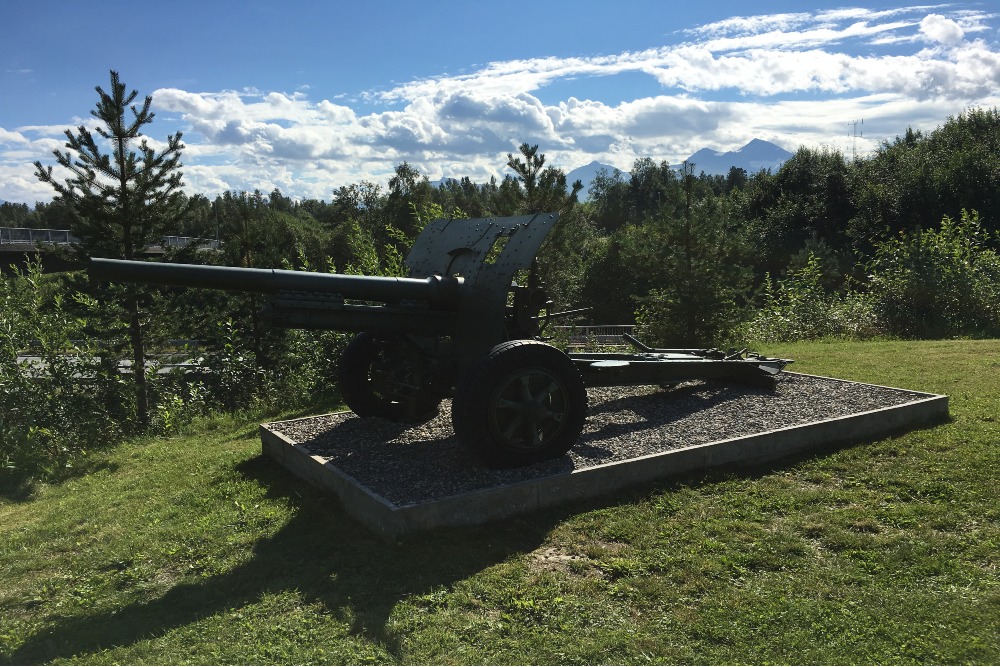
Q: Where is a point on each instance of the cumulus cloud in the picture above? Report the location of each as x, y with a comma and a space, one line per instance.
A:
10, 138
792, 78
940, 30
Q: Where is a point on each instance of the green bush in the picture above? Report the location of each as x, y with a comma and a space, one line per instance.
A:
62, 398
938, 283
58, 397
233, 375
305, 368
698, 278
798, 307
178, 404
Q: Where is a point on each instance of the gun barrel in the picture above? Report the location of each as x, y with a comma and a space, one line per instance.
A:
438, 291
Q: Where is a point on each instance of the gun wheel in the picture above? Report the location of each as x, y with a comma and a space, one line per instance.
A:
381, 377
524, 402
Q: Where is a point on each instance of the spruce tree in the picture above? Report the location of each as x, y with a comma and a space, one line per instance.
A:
122, 195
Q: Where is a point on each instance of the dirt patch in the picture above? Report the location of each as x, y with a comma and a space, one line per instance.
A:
553, 559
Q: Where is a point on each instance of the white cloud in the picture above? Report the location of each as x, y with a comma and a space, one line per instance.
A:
940, 30
793, 78
20, 184
11, 138
751, 25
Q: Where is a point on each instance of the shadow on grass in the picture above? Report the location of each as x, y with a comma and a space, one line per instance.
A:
20, 485
330, 559
21, 488
321, 553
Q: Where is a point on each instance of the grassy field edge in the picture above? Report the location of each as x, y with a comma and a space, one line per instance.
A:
197, 550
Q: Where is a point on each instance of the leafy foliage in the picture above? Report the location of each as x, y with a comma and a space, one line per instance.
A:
807, 198
698, 276
59, 397
800, 307
938, 282
121, 199
823, 247
916, 180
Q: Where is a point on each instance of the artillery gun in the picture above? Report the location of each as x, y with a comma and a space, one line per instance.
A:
458, 326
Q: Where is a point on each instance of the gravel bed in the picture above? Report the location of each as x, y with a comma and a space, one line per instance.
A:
414, 464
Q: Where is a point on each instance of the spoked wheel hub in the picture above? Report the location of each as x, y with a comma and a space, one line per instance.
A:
529, 408
524, 402
383, 377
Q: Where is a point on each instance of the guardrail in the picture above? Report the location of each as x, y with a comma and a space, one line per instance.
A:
28, 236
176, 356
181, 241
601, 334
172, 346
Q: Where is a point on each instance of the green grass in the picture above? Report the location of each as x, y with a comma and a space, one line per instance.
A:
198, 550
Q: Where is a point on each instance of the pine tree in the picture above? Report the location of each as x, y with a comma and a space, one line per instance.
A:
694, 259
540, 190
121, 199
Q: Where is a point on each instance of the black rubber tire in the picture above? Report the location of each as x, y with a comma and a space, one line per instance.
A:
371, 374
524, 402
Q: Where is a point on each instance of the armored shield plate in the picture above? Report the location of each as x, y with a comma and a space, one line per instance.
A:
487, 253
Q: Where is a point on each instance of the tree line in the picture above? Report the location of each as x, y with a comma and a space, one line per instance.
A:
900, 243
653, 236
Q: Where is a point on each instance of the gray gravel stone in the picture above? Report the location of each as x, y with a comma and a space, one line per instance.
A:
408, 464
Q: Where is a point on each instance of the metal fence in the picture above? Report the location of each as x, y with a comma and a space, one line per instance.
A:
24, 235
181, 241
600, 334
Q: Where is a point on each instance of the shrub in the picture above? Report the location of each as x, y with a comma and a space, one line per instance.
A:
62, 398
938, 283
799, 308
695, 264
306, 368
58, 398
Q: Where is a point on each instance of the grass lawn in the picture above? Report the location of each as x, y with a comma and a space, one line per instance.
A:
196, 549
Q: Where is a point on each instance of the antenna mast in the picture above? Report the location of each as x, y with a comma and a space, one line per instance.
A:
854, 134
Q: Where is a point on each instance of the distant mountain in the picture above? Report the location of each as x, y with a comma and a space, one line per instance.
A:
756, 155
586, 175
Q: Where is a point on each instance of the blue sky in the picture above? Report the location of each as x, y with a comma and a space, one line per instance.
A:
310, 96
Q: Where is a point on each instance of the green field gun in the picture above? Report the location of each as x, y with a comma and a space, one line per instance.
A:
467, 324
